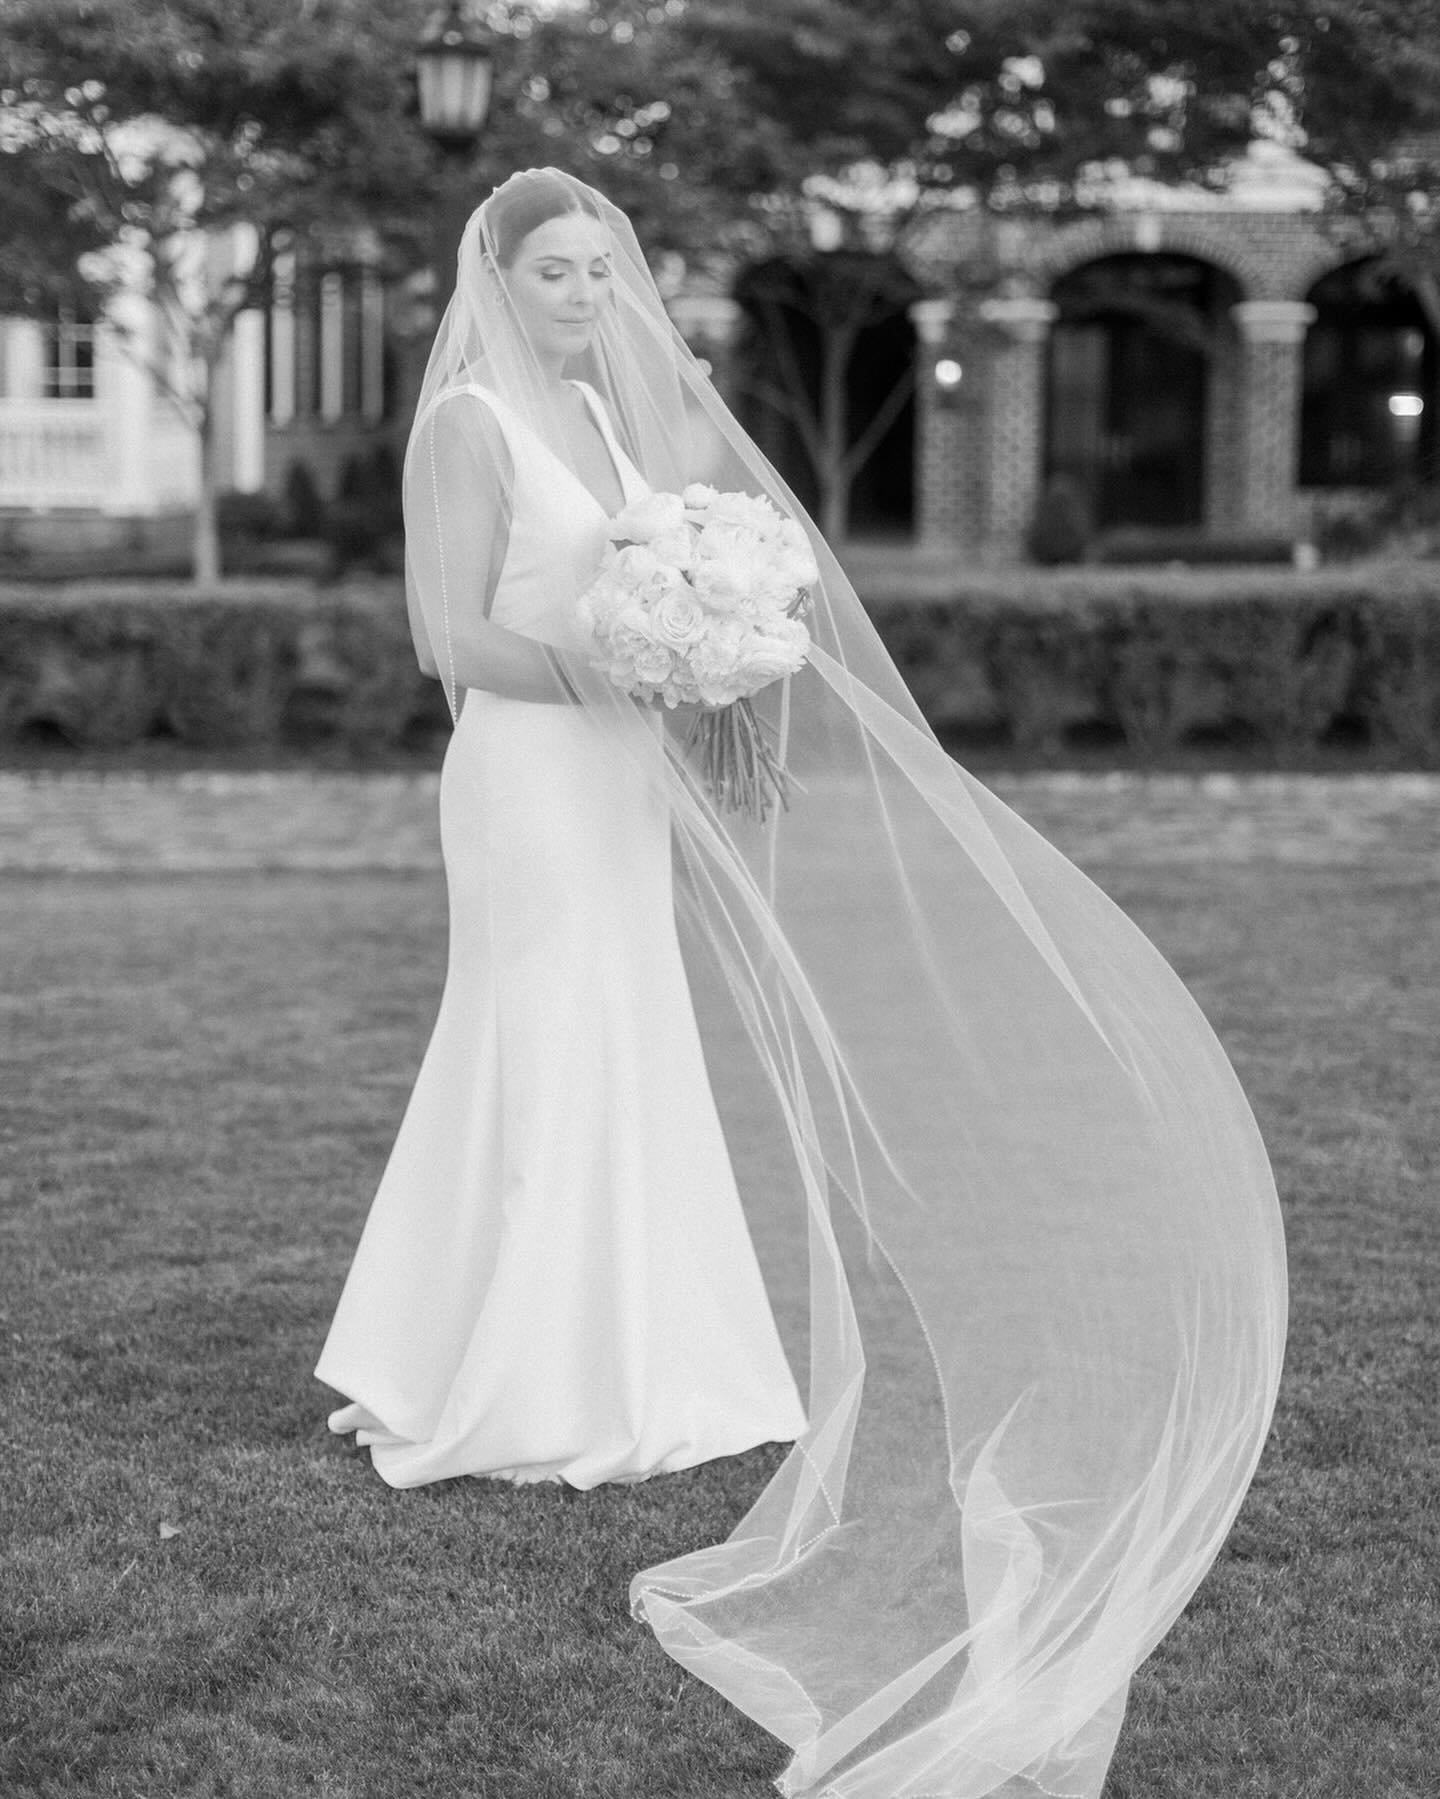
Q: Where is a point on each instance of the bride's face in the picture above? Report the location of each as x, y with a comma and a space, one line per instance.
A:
560, 282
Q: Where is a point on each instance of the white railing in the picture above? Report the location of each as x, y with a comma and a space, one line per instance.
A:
54, 453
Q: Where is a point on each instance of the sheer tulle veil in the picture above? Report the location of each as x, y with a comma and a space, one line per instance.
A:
1045, 1267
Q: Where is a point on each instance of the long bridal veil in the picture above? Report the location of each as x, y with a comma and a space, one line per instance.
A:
1046, 1272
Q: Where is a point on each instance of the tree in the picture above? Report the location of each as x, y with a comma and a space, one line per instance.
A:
136, 130
189, 139
880, 117
1357, 92
44, 247
841, 294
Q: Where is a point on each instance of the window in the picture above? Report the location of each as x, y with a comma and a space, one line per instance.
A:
70, 359
1368, 415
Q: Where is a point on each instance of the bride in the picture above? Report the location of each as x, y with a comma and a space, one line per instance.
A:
1046, 1277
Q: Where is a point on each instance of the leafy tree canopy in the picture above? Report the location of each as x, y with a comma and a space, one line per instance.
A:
1356, 88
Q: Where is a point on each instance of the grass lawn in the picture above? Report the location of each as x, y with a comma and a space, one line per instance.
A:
205, 1594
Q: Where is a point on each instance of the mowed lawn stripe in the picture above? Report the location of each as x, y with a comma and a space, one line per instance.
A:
201, 1080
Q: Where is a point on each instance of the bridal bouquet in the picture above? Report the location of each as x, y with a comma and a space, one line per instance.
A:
699, 601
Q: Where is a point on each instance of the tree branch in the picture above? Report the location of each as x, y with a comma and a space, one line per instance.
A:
793, 378
870, 439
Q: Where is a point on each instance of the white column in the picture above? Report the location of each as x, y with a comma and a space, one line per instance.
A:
282, 340
372, 345
332, 347
1273, 321
125, 393
247, 401
708, 323
709, 316
932, 320
26, 360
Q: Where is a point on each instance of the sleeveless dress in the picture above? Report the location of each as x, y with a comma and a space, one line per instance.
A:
555, 1280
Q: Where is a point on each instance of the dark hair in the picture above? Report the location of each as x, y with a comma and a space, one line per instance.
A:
532, 204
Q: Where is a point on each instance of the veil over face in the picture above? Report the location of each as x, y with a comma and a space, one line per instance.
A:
1046, 1280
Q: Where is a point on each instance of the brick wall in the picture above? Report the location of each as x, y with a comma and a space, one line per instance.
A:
979, 464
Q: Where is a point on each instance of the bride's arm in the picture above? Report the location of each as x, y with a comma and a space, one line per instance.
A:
457, 509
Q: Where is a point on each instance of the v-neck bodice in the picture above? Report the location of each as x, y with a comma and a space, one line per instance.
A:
627, 476
557, 527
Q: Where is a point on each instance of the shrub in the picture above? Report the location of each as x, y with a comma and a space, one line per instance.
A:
367, 515
1137, 546
1162, 657
1045, 665
1061, 529
1156, 658
303, 508
256, 516
1398, 675
228, 672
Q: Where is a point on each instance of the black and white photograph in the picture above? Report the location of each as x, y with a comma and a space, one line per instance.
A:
719, 899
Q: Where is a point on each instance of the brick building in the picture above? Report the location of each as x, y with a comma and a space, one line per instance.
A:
1229, 371
1181, 363
1227, 367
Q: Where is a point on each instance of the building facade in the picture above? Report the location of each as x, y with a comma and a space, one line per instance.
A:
94, 449
1220, 369
1228, 373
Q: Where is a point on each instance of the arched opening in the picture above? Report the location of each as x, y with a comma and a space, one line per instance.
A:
1132, 357
824, 379
1371, 383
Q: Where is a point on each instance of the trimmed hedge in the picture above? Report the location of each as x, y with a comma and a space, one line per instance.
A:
108, 666
1155, 659
1162, 658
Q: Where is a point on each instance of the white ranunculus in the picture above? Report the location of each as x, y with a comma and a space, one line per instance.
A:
636, 565
719, 540
653, 664
717, 655
794, 555
750, 510
769, 656
675, 548
717, 586
626, 641
652, 515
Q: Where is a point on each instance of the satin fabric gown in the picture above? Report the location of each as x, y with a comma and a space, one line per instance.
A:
556, 1280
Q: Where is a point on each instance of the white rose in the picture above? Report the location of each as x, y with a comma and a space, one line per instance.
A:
651, 516
678, 619
698, 497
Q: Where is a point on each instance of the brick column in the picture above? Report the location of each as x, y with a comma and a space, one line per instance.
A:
1019, 329
710, 324
1272, 334
1224, 436
946, 464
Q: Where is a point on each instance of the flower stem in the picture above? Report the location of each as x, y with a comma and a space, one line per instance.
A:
738, 767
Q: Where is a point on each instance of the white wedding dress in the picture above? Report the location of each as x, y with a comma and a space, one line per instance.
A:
556, 1281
